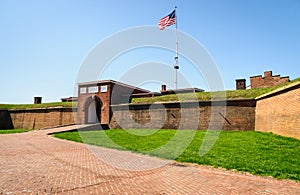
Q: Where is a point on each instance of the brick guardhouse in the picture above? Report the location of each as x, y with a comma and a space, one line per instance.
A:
259, 81
95, 98
268, 80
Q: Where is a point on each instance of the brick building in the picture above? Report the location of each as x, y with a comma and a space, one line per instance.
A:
268, 80
95, 99
240, 84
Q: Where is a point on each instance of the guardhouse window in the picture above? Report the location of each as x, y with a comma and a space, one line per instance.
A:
82, 90
93, 89
103, 89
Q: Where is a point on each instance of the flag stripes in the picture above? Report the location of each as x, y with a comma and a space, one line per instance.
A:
167, 21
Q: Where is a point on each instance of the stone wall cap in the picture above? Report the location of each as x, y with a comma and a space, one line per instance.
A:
281, 89
47, 108
100, 82
184, 102
96, 82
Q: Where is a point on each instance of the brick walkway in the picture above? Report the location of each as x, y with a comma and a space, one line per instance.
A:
36, 163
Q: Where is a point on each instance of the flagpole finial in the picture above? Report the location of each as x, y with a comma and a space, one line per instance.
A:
175, 7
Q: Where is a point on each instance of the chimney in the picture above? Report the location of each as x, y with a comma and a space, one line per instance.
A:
37, 100
268, 74
240, 84
163, 88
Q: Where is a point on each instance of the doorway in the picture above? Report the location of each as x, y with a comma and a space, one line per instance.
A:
93, 110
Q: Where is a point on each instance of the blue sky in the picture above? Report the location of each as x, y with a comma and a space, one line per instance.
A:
44, 42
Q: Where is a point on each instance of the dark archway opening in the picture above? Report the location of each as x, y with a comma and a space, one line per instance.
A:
93, 110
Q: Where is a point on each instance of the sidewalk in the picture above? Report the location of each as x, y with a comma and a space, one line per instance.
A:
37, 163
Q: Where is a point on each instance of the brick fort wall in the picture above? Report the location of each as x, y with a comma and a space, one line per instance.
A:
236, 114
279, 111
42, 118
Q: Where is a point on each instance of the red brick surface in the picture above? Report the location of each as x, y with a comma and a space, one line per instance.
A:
42, 117
267, 81
116, 93
280, 112
35, 163
105, 103
234, 114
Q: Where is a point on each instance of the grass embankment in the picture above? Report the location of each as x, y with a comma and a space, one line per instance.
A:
10, 131
229, 94
254, 152
43, 105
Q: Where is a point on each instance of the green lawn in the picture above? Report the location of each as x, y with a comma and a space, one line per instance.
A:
254, 152
9, 131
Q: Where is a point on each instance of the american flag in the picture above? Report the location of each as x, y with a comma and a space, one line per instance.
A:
167, 21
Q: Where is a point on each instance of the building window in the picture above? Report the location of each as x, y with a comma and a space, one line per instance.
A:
103, 89
93, 89
82, 90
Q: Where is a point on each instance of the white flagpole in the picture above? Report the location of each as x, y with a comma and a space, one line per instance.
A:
176, 67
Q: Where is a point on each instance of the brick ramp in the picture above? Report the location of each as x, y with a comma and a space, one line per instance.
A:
36, 163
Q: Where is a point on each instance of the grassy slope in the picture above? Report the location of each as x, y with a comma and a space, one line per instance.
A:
250, 93
254, 152
43, 105
230, 94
